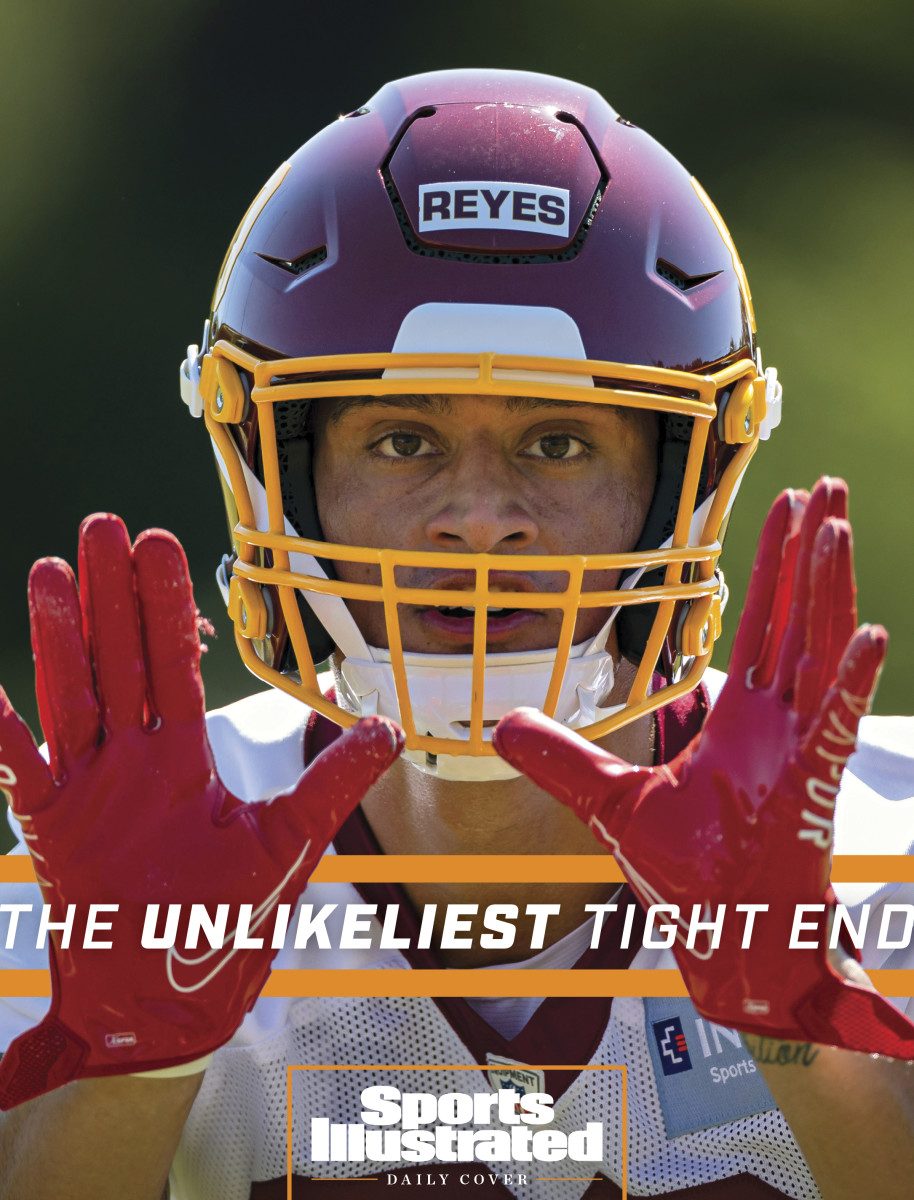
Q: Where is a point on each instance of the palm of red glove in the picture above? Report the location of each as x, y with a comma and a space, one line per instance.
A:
131, 812
744, 815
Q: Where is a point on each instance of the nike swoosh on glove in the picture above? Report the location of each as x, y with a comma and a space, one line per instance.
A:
130, 811
744, 815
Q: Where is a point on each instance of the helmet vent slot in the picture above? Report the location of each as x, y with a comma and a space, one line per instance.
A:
298, 266
679, 279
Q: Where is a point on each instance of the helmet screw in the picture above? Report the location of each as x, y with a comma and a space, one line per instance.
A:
244, 617
748, 423
220, 400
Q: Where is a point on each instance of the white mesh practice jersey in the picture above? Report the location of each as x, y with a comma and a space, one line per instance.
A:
690, 1118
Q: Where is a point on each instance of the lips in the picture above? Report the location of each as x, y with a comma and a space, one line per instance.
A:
455, 622
460, 611
458, 630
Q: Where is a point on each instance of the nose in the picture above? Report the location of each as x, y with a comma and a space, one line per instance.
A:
483, 509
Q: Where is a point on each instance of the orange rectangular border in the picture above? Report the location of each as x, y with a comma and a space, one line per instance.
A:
447, 1067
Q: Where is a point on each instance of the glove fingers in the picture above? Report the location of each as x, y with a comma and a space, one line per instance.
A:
67, 705
332, 786
828, 501
594, 783
830, 742
836, 489
835, 730
767, 601
24, 775
169, 618
832, 615
111, 620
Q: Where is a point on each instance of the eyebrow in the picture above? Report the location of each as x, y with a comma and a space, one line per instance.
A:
439, 404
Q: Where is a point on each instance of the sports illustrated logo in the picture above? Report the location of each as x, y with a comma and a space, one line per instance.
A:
671, 1042
420, 1127
488, 204
115, 1041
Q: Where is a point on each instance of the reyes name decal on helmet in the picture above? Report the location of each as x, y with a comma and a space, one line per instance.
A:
498, 233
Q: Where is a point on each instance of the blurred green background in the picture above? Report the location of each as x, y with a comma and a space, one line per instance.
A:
134, 137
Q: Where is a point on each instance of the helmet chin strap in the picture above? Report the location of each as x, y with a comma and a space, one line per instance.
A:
440, 691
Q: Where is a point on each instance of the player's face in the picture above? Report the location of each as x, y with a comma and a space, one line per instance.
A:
482, 474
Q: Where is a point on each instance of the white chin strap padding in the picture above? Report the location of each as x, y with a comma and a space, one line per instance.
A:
440, 693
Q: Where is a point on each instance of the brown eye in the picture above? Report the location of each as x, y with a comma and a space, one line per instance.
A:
402, 444
406, 444
557, 446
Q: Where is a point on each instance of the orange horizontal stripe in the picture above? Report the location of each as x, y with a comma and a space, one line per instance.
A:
873, 868
512, 982
506, 982
510, 868
467, 868
427, 983
25, 983
16, 868
290, 1067
893, 982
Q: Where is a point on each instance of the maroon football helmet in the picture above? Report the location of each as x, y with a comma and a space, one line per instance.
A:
495, 232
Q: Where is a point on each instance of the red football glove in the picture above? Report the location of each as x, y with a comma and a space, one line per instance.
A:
744, 814
132, 812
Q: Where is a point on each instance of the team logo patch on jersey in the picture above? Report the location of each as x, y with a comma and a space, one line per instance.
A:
507, 1076
488, 204
704, 1074
671, 1042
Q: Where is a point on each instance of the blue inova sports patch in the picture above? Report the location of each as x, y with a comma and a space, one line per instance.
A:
704, 1074
672, 1044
